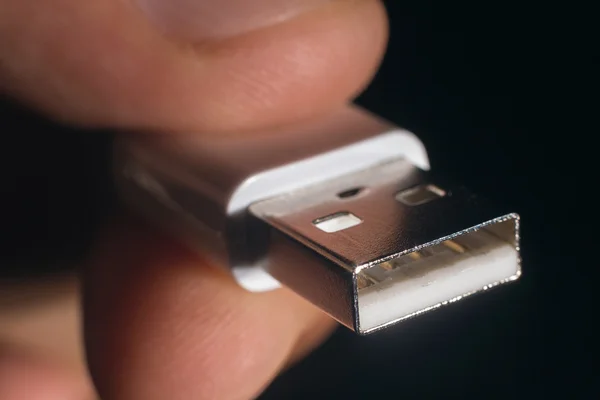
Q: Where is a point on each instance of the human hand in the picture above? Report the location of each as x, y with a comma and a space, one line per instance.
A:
159, 323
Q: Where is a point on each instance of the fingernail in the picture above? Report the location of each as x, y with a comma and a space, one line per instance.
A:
208, 19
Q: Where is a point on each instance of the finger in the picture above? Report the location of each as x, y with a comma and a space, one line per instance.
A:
32, 375
43, 315
41, 356
161, 323
189, 64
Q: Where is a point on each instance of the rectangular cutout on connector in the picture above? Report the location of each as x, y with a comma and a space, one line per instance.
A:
420, 195
337, 222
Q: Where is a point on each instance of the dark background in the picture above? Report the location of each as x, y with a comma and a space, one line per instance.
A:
492, 88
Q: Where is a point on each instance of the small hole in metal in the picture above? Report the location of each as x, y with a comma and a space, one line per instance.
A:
420, 195
337, 222
346, 194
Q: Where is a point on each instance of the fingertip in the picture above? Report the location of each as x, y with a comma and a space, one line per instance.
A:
159, 321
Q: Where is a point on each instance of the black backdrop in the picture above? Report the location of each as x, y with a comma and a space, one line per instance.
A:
496, 92
485, 86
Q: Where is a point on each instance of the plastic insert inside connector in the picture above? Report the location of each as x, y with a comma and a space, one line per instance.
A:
437, 274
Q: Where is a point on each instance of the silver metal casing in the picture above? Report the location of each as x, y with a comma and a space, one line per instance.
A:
201, 187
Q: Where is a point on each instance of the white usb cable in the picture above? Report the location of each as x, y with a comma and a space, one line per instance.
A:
342, 210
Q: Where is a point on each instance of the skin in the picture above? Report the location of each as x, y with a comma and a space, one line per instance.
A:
159, 322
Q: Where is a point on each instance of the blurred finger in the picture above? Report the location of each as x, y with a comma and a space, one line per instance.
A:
41, 355
43, 315
194, 65
161, 323
31, 375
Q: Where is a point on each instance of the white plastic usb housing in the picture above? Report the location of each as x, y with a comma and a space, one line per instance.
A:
342, 210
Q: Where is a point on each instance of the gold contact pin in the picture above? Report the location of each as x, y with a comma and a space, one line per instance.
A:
363, 280
388, 266
415, 255
455, 247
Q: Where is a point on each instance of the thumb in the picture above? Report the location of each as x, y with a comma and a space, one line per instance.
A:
195, 65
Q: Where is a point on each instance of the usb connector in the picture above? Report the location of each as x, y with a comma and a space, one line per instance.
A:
404, 243
341, 210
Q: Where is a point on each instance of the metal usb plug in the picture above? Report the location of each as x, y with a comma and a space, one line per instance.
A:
340, 209
377, 246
